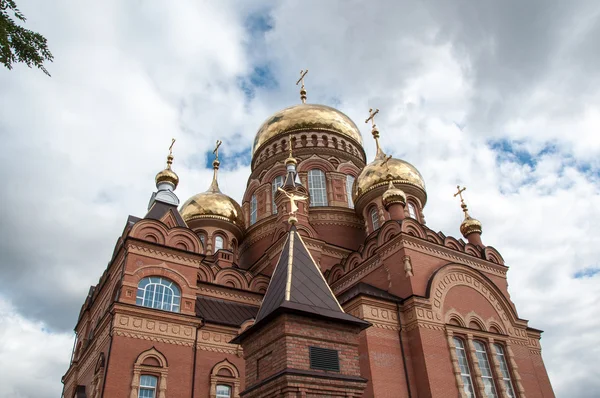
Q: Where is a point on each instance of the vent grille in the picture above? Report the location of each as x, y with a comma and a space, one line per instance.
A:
324, 359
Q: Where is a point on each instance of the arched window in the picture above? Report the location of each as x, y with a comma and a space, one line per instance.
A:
158, 292
277, 182
147, 386
317, 188
463, 363
374, 218
412, 211
486, 372
349, 183
218, 243
504, 370
253, 209
223, 391
203, 240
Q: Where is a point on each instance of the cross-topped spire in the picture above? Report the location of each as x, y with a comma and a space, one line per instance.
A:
216, 151
375, 131
170, 156
302, 89
214, 186
462, 201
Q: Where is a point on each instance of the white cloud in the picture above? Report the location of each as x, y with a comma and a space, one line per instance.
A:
34, 359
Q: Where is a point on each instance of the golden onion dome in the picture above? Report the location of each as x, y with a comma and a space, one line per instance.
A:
470, 225
382, 170
306, 117
393, 195
167, 175
212, 205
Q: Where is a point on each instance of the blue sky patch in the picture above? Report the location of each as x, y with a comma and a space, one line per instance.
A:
587, 272
229, 160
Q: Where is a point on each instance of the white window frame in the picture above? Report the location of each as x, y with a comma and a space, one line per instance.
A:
229, 388
465, 371
374, 218
317, 187
349, 183
277, 182
253, 209
169, 295
412, 210
501, 357
147, 387
219, 238
487, 376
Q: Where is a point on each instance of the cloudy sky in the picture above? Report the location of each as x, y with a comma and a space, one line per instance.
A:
501, 96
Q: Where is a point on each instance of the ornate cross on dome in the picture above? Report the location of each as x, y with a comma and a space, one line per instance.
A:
302, 90
462, 201
216, 151
170, 157
372, 117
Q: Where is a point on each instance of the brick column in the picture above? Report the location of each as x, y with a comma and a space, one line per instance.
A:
515, 372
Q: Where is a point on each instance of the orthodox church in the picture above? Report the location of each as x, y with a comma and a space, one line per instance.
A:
325, 282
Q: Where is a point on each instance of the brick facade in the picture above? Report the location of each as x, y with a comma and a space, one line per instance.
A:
419, 290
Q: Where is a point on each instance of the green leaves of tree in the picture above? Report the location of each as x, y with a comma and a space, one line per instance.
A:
18, 44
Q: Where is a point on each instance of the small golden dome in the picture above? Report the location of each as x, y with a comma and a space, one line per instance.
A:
167, 175
379, 172
393, 195
306, 117
470, 225
215, 205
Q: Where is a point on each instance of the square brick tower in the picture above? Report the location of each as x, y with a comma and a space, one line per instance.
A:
302, 343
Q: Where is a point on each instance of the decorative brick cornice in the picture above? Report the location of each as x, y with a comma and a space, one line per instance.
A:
357, 273
451, 255
228, 295
163, 255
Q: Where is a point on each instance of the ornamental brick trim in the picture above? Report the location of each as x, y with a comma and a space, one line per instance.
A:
164, 255
154, 330
211, 292
458, 275
141, 336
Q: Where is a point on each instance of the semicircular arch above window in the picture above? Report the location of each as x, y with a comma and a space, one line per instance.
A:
160, 293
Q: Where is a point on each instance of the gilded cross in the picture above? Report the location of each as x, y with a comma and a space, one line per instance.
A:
216, 151
171, 147
385, 162
302, 74
372, 116
459, 193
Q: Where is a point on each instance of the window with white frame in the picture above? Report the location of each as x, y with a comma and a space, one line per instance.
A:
463, 363
253, 209
504, 370
277, 182
374, 218
317, 188
412, 211
487, 376
349, 183
147, 386
218, 242
223, 391
158, 292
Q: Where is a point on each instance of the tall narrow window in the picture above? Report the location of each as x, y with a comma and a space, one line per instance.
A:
147, 386
218, 242
463, 363
317, 188
504, 369
412, 212
253, 210
158, 292
223, 391
203, 240
486, 372
374, 218
349, 183
277, 182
